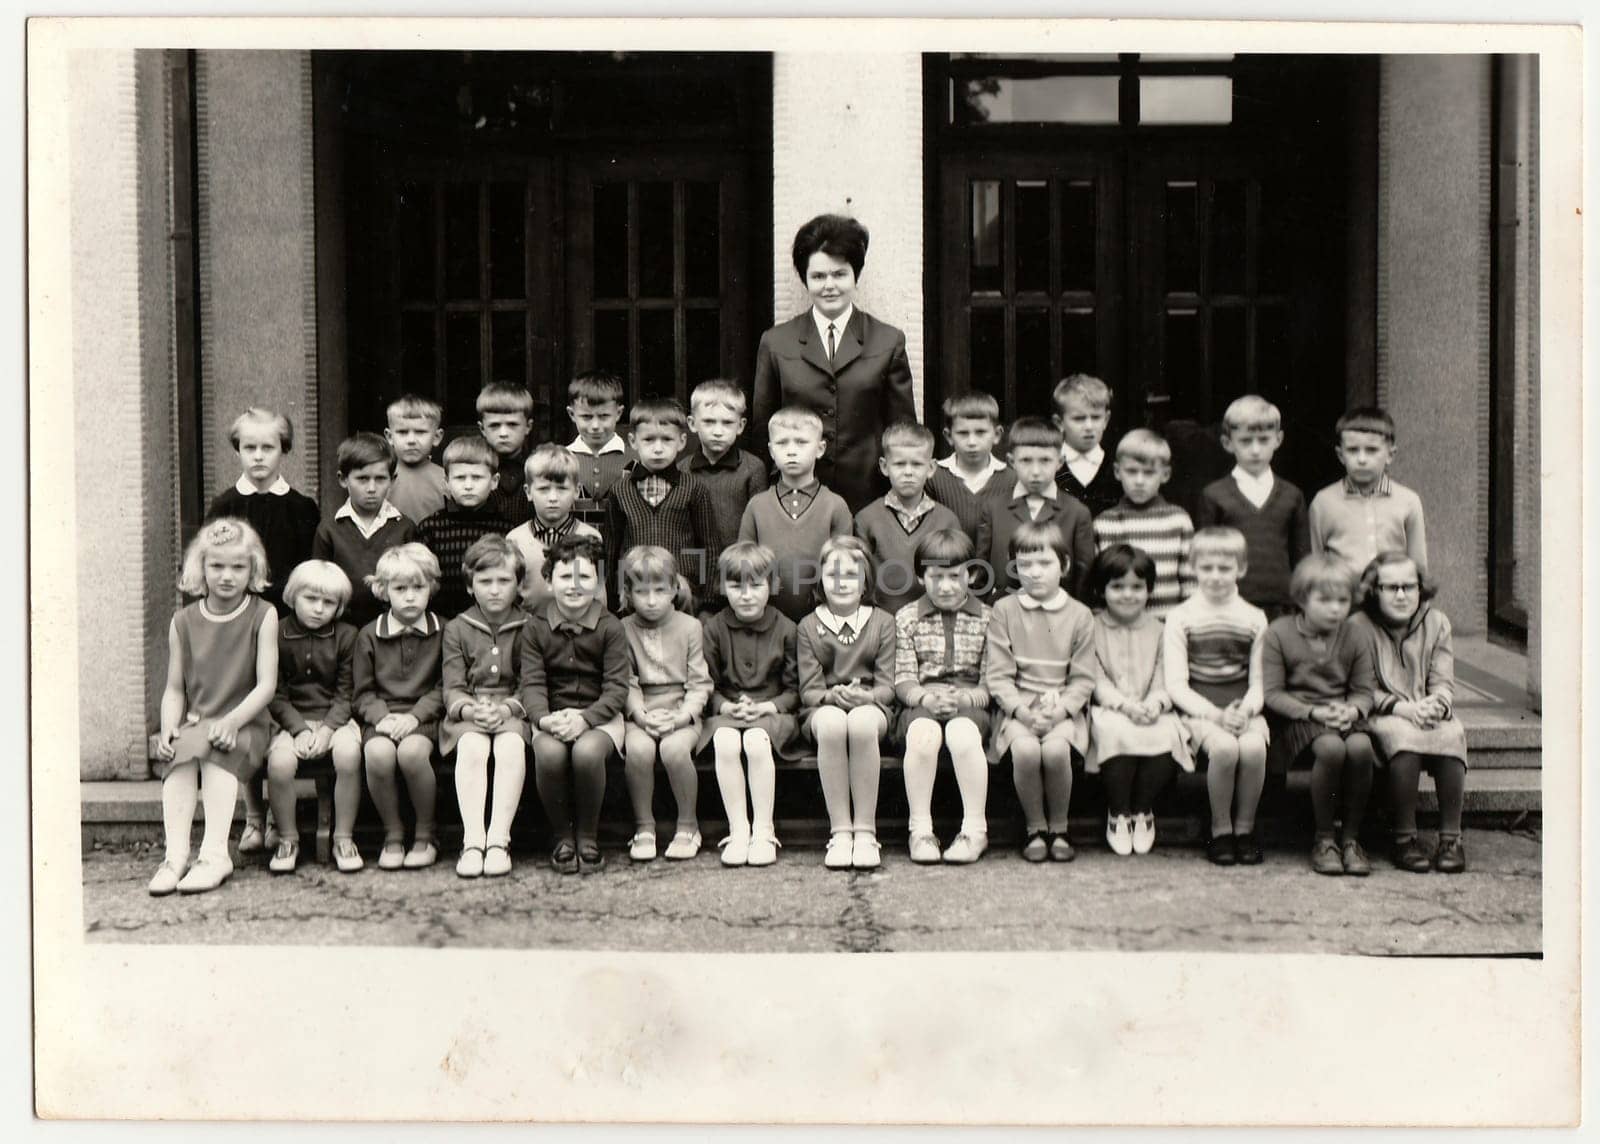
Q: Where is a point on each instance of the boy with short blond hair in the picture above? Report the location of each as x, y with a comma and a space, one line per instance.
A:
505, 418
413, 432
551, 489
1367, 512
1268, 510
730, 474
1083, 409
1146, 520
797, 514
893, 525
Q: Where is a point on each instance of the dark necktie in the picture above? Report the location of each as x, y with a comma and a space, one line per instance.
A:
831, 344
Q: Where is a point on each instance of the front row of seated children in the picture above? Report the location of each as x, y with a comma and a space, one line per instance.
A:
1037, 678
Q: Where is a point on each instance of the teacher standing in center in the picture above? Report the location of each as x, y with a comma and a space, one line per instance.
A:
840, 362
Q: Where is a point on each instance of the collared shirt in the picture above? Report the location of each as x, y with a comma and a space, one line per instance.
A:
547, 536
653, 486
585, 620
698, 461
975, 484
1356, 526
1083, 466
277, 488
1256, 490
386, 512
839, 324
1380, 488
908, 517
1053, 604
615, 445
795, 499
1035, 502
844, 628
424, 625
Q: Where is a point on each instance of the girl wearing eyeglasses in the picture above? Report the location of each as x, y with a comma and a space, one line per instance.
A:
1413, 721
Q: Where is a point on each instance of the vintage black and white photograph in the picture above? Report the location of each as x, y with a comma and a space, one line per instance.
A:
749, 498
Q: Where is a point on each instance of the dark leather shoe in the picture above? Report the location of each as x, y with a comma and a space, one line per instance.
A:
1451, 856
1410, 854
1220, 850
1247, 850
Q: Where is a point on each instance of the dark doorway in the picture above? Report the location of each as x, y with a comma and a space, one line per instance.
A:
1180, 227
520, 216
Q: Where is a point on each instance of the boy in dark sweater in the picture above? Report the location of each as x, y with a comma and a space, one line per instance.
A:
505, 418
657, 503
895, 524
286, 520
1269, 510
366, 525
470, 475
973, 430
731, 475
1083, 408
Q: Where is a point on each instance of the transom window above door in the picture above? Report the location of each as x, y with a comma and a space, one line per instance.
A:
1127, 90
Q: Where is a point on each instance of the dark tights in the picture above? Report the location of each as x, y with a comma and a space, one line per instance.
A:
1449, 780
1341, 780
571, 779
1134, 782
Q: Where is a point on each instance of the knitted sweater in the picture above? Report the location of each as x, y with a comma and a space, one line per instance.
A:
795, 543
1356, 527
1276, 536
340, 541
1297, 674
894, 550
448, 534
1212, 653
418, 490
287, 525
952, 492
731, 483
684, 523
1102, 492
1164, 532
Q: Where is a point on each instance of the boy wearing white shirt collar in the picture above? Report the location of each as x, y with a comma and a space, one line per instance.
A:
1268, 510
1083, 409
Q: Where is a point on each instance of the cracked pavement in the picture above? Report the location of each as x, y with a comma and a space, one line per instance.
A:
1171, 900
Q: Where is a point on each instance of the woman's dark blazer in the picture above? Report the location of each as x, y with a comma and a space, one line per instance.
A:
867, 387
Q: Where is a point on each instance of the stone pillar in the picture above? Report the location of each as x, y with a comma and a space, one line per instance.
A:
257, 256
123, 428
847, 139
1434, 307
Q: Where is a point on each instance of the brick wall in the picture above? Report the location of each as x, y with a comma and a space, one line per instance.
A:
847, 138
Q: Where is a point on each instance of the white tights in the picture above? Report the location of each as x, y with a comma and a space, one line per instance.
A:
967, 758
756, 749
472, 785
214, 789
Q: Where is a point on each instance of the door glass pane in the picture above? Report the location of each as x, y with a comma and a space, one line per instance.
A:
1045, 99
414, 241
703, 333
655, 240
1272, 354
1035, 378
611, 342
657, 365
988, 363
1180, 370
1227, 357
1033, 235
1078, 350
1186, 99
463, 364
701, 240
1077, 236
416, 351
1183, 236
1228, 237
508, 336
611, 240
1276, 248
461, 240
988, 236
508, 258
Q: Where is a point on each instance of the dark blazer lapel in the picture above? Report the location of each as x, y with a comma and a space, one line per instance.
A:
811, 348
849, 348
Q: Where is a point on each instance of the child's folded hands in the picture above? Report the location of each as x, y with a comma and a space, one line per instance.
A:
223, 733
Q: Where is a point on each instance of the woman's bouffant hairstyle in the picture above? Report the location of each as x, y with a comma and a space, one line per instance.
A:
1113, 563
652, 564
745, 560
224, 532
852, 546
412, 561
837, 236
1321, 572
492, 551
319, 576
1367, 589
574, 546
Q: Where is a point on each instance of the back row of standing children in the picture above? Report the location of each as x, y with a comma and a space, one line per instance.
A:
676, 509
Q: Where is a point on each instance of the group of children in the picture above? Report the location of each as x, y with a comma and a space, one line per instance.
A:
655, 598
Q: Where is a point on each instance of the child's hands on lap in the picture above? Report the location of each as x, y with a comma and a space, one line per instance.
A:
660, 721
403, 725
164, 749
321, 740
1233, 718
223, 733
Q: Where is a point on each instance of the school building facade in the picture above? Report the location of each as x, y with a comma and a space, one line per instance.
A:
320, 231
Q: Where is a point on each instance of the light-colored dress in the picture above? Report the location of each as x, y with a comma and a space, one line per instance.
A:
219, 670
668, 668
1035, 650
1128, 667
1411, 665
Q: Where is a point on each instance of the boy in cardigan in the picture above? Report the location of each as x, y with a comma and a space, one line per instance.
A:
552, 488
366, 525
797, 514
1033, 498
897, 522
657, 503
1148, 522
1269, 510
731, 475
972, 430
1367, 512
1083, 407
469, 466
505, 418
413, 433
594, 402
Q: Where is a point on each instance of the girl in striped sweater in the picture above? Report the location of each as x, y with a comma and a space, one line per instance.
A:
1212, 653
1147, 521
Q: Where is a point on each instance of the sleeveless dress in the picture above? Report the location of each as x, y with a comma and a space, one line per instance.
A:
219, 670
